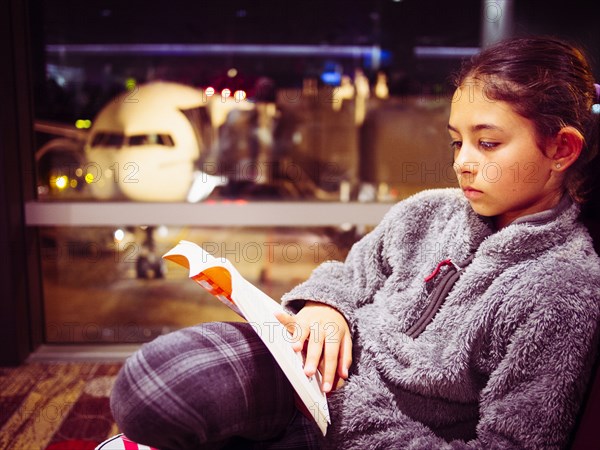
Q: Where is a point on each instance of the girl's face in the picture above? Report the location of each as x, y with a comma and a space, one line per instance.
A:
501, 169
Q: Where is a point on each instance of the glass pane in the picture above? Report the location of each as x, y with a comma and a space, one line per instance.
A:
347, 111
228, 102
110, 285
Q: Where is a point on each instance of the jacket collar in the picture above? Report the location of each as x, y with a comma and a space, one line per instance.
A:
526, 235
547, 215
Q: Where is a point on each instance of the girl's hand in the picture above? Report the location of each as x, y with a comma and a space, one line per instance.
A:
324, 333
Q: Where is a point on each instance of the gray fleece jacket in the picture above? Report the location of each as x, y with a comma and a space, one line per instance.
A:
493, 351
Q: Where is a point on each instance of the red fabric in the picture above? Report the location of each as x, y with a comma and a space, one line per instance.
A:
74, 444
432, 275
129, 444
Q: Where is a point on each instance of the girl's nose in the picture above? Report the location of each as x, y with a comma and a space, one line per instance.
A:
464, 162
465, 165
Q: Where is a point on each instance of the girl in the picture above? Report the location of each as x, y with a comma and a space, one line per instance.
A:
467, 319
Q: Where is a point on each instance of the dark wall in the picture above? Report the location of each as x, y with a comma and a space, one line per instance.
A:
576, 21
20, 307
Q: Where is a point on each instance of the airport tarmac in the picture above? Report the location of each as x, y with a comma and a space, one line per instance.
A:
92, 293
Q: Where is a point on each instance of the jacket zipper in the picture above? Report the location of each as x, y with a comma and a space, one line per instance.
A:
439, 294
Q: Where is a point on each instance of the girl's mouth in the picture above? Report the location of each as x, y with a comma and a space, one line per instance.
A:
471, 193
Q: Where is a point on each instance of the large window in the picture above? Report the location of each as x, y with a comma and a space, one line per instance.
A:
107, 285
275, 136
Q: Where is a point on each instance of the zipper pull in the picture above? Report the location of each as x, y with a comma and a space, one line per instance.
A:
445, 262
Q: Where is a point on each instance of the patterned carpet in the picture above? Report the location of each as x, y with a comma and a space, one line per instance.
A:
56, 406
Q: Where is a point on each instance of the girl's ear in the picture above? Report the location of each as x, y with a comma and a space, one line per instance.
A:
566, 149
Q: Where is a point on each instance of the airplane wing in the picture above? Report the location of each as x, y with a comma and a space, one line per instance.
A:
60, 129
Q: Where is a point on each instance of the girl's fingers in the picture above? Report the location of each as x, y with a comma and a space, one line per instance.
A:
314, 350
327, 345
298, 332
345, 358
330, 363
285, 318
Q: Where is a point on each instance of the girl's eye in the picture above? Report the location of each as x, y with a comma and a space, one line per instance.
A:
455, 145
488, 145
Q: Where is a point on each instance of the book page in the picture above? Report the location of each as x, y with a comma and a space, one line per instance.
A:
221, 278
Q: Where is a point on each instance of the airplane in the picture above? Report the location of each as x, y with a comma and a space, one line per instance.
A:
145, 144
157, 142
164, 141
168, 141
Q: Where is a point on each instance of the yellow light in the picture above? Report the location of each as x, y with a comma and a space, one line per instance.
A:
62, 181
83, 123
79, 171
89, 178
239, 95
73, 183
130, 84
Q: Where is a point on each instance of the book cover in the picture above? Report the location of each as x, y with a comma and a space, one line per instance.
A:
221, 278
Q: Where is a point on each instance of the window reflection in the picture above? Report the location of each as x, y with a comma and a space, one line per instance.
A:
110, 285
150, 139
107, 139
102, 139
296, 148
144, 104
287, 117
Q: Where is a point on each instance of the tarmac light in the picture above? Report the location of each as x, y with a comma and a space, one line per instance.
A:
61, 182
119, 235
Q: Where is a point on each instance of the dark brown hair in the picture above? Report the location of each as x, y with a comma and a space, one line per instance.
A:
547, 81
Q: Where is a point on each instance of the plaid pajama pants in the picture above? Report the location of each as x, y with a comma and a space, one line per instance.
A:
213, 385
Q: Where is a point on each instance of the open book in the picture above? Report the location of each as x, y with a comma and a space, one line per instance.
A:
220, 278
